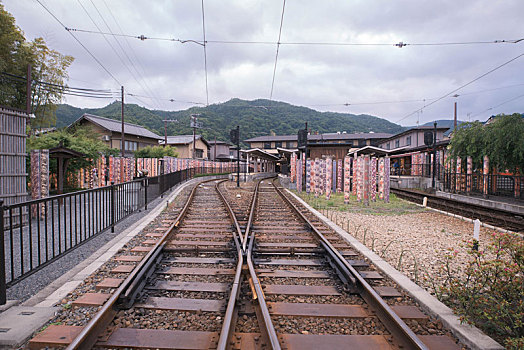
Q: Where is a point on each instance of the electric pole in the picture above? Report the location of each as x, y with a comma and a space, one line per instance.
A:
122, 120
165, 129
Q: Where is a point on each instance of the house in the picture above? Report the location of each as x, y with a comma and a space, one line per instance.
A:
220, 151
184, 146
411, 138
335, 145
110, 130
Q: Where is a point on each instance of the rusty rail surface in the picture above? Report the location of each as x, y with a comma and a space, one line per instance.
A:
398, 328
89, 335
269, 328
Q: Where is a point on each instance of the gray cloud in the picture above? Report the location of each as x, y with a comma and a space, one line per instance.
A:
324, 77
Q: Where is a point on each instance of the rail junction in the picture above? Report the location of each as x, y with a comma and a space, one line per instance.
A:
246, 269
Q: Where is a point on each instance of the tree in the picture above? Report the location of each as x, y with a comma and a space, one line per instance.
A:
156, 152
49, 72
502, 141
80, 139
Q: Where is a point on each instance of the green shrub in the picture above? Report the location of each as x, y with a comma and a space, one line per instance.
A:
490, 292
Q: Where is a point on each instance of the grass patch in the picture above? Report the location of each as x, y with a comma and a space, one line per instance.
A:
213, 174
396, 206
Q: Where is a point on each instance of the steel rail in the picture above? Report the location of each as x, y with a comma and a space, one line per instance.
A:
498, 217
228, 328
398, 328
87, 338
268, 324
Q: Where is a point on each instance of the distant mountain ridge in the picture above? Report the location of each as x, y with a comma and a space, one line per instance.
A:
255, 118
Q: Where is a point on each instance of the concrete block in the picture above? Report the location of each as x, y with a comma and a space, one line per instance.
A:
18, 324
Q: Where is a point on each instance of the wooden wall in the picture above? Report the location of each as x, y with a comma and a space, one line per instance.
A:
13, 155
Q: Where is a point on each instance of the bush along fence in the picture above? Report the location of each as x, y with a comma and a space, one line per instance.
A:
462, 179
365, 177
37, 232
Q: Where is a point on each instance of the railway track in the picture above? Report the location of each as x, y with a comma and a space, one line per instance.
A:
495, 217
280, 279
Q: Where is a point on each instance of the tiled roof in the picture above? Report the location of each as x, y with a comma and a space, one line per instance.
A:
376, 135
116, 126
183, 139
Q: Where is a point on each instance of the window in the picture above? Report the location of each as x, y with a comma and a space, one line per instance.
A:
199, 153
267, 145
361, 143
130, 145
388, 146
290, 144
278, 144
397, 143
408, 141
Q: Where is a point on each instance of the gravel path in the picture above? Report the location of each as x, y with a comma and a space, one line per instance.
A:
416, 244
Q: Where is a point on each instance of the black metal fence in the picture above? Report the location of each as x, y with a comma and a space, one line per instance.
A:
35, 233
487, 185
423, 170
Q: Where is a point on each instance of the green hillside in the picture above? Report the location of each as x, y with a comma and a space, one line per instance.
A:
254, 117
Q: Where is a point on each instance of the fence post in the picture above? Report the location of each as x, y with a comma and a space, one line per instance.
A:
112, 199
3, 288
146, 183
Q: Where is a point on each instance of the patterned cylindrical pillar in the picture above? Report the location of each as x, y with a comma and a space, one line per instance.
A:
387, 162
373, 179
485, 175
365, 180
329, 176
347, 177
381, 178
469, 172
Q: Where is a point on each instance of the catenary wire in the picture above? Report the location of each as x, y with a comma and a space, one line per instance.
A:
205, 51
81, 44
278, 48
463, 86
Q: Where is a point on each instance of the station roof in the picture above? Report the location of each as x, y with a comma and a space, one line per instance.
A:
257, 152
322, 137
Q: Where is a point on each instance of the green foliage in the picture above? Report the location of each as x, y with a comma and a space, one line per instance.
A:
80, 139
489, 293
502, 141
156, 152
48, 66
253, 118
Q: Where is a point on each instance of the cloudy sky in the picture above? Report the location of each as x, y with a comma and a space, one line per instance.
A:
335, 55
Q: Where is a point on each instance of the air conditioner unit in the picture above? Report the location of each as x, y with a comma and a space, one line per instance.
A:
106, 138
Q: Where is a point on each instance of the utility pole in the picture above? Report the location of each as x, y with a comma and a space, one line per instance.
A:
304, 162
165, 129
28, 90
194, 124
435, 152
215, 151
122, 143
238, 155
455, 118
122, 120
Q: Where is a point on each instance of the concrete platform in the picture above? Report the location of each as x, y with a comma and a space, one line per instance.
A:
18, 323
487, 203
468, 335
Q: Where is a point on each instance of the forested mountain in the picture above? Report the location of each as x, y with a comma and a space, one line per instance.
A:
255, 118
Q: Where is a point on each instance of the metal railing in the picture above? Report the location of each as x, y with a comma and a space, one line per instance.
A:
422, 170
487, 185
35, 233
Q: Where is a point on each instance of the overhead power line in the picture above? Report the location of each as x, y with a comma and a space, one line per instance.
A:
500, 104
205, 51
400, 44
78, 41
462, 86
278, 48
